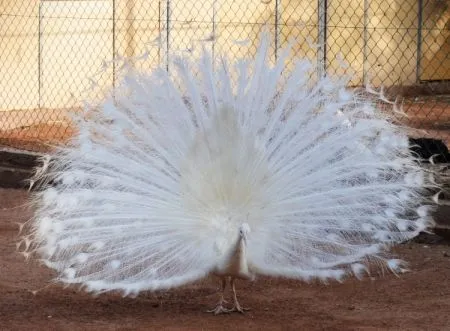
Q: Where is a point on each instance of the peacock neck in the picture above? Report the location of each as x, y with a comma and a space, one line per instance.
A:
235, 264
238, 259
240, 248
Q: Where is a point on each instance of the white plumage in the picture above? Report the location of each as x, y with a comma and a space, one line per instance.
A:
239, 172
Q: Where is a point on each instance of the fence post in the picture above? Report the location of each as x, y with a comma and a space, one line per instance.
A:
213, 46
321, 54
167, 33
365, 40
40, 55
130, 30
277, 30
114, 43
419, 39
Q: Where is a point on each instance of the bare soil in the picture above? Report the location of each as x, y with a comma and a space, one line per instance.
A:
39, 130
417, 300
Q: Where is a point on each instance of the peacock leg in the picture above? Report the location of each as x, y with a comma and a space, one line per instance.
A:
237, 307
220, 309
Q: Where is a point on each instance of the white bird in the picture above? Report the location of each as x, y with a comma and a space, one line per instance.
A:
244, 171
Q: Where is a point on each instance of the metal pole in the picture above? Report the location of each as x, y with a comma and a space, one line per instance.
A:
419, 39
214, 30
39, 55
365, 40
159, 32
277, 31
167, 33
131, 32
321, 55
114, 42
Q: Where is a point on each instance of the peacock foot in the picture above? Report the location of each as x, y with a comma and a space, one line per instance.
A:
238, 308
220, 309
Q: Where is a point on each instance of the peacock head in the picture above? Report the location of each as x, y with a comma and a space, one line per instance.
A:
244, 230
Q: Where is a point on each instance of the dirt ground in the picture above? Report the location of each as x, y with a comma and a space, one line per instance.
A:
28, 129
417, 300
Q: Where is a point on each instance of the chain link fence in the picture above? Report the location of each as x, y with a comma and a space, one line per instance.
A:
49, 49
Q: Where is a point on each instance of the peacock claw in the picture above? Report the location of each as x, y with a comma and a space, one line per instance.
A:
239, 309
220, 309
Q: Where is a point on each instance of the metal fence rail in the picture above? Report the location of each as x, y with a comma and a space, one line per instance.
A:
50, 48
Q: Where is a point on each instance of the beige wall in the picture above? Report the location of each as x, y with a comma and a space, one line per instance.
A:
299, 21
18, 55
138, 24
435, 63
76, 37
346, 38
392, 41
241, 21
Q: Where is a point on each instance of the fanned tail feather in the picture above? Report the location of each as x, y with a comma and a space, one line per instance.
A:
150, 193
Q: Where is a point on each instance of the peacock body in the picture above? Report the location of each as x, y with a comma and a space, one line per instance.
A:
243, 171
